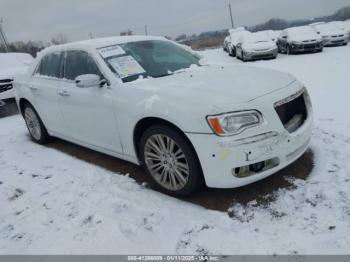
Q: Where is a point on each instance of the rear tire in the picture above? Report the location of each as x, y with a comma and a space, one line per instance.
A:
170, 161
35, 126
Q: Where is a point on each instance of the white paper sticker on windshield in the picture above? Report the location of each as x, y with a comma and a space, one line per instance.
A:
126, 66
110, 51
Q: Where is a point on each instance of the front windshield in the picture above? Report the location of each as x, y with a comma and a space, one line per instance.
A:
151, 58
302, 31
255, 39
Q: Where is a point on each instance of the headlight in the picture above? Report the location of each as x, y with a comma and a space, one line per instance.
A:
234, 123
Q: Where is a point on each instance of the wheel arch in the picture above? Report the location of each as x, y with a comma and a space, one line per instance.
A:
145, 123
22, 102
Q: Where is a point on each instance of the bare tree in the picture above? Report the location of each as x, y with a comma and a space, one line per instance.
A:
59, 39
126, 32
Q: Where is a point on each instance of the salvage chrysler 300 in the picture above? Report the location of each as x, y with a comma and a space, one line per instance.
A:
149, 101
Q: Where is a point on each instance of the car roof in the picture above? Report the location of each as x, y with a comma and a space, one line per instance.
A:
299, 28
102, 42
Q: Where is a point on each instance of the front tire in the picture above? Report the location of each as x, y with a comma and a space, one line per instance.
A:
35, 126
170, 161
232, 52
244, 58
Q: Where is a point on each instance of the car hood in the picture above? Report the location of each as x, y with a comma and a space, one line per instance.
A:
302, 38
10, 73
331, 32
215, 86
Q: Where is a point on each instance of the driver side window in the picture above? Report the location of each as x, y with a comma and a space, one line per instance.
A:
79, 63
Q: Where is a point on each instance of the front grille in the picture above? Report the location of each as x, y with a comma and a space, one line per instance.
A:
309, 41
310, 46
292, 113
5, 85
338, 41
265, 56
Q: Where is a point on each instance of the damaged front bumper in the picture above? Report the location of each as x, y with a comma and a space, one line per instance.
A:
229, 162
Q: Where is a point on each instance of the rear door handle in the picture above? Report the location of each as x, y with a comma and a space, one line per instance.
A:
64, 93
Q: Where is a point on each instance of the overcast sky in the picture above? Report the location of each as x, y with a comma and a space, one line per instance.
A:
43, 19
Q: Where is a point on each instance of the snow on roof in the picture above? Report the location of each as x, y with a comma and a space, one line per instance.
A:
236, 30
255, 37
344, 25
102, 42
300, 30
317, 23
328, 28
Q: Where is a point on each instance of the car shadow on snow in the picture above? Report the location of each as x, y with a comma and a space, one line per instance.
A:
8, 107
215, 199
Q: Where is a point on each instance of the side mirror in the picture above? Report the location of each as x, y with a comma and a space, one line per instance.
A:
89, 80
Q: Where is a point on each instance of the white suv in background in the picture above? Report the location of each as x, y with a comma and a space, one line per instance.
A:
11, 65
235, 34
149, 101
227, 43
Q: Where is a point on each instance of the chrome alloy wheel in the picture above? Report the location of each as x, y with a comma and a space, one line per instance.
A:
166, 162
33, 123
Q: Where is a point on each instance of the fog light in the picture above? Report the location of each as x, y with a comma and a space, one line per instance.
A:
257, 167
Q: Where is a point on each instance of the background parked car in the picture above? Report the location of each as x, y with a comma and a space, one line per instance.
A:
227, 43
331, 34
299, 39
11, 65
343, 25
273, 35
235, 34
255, 46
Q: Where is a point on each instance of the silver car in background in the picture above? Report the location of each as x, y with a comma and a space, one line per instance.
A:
331, 34
256, 46
343, 25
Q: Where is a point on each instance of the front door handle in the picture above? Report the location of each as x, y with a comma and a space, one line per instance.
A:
64, 93
33, 88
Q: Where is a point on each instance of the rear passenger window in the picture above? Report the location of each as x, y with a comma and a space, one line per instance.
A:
50, 65
79, 63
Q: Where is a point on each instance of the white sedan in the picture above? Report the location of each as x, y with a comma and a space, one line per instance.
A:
149, 101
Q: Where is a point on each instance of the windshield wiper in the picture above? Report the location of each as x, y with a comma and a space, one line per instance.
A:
163, 75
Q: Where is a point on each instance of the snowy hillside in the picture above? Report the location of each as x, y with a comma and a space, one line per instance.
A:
52, 202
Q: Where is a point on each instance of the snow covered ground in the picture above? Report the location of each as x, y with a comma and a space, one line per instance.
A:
53, 203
